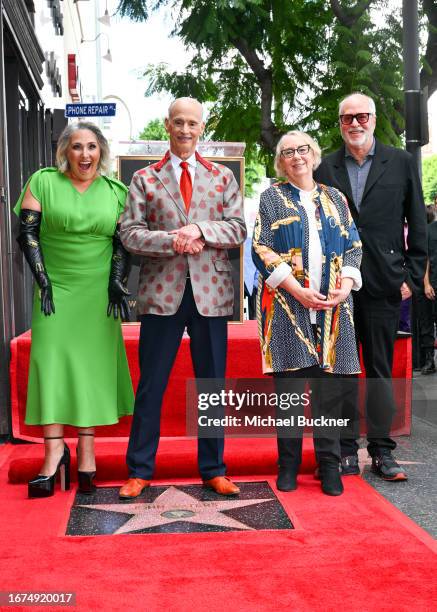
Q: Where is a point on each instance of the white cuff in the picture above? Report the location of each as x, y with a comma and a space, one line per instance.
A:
354, 274
278, 275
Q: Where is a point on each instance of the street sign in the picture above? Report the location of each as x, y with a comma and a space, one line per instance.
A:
95, 109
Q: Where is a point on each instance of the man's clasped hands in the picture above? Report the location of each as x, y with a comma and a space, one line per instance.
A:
188, 239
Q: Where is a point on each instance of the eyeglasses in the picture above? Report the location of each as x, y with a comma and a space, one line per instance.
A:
302, 150
360, 117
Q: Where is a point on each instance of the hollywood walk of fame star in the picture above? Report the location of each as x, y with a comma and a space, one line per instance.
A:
175, 505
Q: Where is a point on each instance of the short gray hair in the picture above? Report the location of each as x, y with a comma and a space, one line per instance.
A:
372, 105
307, 139
64, 140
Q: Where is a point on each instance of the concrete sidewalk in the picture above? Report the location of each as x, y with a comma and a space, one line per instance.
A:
417, 496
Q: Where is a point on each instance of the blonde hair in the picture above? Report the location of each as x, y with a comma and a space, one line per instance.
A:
64, 140
317, 153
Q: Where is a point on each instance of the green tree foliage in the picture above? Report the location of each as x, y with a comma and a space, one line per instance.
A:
154, 130
251, 61
429, 178
428, 74
354, 52
268, 66
254, 172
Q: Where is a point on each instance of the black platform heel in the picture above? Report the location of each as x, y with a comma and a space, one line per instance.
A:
44, 486
85, 479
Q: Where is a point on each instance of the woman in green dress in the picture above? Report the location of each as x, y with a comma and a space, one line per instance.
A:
78, 371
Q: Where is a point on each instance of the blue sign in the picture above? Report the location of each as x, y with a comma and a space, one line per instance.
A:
95, 109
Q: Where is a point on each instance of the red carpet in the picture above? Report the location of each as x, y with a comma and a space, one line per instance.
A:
355, 552
177, 458
244, 361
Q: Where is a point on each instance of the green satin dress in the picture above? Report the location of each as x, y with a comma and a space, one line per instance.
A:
78, 371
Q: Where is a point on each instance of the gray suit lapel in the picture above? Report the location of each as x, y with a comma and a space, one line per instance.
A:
201, 186
167, 178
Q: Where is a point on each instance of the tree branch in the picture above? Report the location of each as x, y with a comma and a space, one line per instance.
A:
269, 132
349, 17
137, 10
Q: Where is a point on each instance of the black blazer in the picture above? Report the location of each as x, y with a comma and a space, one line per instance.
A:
392, 195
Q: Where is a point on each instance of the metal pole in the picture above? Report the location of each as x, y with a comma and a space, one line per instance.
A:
111, 97
99, 89
412, 118
412, 79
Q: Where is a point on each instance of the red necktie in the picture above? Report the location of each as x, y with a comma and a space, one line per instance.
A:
186, 185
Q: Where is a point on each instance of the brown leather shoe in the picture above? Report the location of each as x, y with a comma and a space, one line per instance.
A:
222, 485
133, 487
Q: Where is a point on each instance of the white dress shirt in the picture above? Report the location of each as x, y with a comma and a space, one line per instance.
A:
315, 254
176, 163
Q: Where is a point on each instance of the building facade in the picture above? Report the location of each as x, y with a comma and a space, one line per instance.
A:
41, 48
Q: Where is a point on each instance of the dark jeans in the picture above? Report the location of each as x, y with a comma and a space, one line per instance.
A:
405, 316
160, 337
376, 324
324, 402
427, 316
251, 302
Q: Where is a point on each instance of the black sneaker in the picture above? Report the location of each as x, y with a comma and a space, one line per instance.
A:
349, 466
386, 467
429, 366
286, 480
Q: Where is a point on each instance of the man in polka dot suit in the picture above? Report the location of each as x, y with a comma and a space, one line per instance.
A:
181, 216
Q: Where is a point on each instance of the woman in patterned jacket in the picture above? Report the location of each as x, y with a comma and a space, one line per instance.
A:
308, 252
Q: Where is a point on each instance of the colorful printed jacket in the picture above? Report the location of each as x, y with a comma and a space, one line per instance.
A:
285, 330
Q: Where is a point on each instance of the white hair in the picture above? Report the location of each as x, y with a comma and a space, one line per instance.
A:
306, 138
372, 106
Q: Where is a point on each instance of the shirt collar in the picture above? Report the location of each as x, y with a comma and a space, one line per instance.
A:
371, 152
307, 194
176, 161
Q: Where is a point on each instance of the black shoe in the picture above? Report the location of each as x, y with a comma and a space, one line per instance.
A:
85, 479
286, 480
330, 476
85, 482
386, 467
44, 486
429, 366
349, 466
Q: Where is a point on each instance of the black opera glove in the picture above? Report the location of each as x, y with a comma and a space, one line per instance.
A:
117, 290
28, 239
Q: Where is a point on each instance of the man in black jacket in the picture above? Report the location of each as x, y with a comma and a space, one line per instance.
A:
383, 188
426, 298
